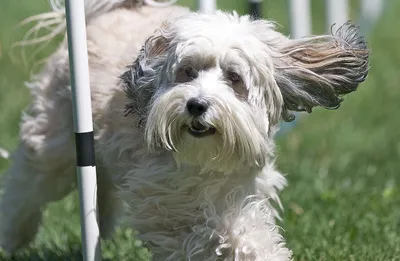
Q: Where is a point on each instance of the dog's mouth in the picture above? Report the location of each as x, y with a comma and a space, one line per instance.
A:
198, 130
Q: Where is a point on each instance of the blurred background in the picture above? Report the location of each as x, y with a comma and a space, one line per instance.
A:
343, 166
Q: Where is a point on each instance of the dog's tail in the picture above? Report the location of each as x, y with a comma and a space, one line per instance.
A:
48, 25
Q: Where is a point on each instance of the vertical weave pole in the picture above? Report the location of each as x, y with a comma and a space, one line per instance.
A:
337, 13
300, 26
206, 6
255, 8
371, 10
82, 111
300, 18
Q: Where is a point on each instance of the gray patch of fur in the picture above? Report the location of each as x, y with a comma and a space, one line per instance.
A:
139, 81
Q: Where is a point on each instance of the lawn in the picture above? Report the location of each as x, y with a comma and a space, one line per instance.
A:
343, 199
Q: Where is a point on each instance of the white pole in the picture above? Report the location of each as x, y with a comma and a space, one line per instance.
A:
206, 6
337, 13
79, 70
300, 18
371, 10
300, 26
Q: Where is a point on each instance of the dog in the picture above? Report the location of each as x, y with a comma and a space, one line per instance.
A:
185, 108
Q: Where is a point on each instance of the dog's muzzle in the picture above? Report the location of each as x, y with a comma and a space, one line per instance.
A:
198, 130
196, 108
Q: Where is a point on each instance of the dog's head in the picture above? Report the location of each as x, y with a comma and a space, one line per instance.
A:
212, 87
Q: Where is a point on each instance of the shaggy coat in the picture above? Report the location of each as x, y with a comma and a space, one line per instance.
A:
185, 106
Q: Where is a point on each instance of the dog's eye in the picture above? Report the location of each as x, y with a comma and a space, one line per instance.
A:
234, 77
186, 74
238, 85
191, 73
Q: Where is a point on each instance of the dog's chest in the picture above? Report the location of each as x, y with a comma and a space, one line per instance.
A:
168, 199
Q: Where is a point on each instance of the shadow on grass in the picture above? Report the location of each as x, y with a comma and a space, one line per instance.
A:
72, 254
49, 256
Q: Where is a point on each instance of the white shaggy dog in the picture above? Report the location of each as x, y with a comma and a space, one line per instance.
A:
183, 127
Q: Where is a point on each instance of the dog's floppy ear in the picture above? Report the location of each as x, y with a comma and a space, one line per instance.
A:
319, 70
158, 44
141, 78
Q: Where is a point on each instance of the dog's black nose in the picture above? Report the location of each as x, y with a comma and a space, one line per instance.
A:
196, 107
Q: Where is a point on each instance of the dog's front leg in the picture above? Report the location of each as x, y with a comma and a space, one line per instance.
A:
245, 231
239, 226
249, 233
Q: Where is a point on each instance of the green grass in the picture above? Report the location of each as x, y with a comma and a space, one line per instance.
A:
343, 199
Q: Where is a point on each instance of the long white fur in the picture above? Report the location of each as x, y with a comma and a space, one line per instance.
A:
54, 21
192, 199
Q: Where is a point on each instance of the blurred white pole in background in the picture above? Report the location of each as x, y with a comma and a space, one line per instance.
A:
255, 8
371, 9
300, 18
337, 13
300, 26
206, 6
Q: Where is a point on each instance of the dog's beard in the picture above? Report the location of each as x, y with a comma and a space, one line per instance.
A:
236, 137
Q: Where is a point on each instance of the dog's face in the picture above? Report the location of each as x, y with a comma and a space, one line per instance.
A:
212, 88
